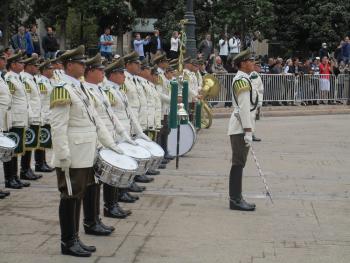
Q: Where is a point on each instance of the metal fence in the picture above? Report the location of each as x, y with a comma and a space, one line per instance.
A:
291, 88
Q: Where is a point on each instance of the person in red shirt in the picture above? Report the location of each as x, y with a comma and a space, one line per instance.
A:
326, 69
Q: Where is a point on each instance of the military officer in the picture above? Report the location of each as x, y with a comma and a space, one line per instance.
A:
94, 74
76, 127
33, 130
45, 141
258, 91
240, 128
164, 91
5, 115
153, 103
20, 112
115, 89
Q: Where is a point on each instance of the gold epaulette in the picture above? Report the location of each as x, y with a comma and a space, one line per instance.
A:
111, 98
240, 86
42, 88
12, 87
59, 96
28, 87
123, 88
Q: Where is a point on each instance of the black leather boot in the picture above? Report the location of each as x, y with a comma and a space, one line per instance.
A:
125, 197
111, 206
136, 188
15, 172
10, 181
152, 172
4, 192
256, 139
91, 225
77, 226
69, 242
26, 172
40, 163
235, 190
143, 179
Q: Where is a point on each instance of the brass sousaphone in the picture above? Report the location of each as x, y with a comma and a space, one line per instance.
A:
211, 86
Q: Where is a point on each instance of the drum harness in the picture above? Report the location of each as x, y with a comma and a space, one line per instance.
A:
237, 115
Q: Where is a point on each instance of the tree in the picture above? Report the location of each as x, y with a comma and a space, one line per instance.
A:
115, 14
304, 25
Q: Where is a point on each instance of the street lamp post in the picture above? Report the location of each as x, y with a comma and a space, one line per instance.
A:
190, 27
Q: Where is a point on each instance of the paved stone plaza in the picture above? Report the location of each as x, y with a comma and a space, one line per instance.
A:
183, 217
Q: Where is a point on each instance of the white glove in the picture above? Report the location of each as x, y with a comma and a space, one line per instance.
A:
65, 163
248, 138
144, 136
126, 138
116, 149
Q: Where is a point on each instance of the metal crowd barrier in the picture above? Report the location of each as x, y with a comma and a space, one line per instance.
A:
291, 88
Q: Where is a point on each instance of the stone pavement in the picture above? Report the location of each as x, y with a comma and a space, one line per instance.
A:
184, 215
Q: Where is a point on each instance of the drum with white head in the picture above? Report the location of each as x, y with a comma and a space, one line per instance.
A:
156, 151
115, 169
7, 148
188, 138
140, 154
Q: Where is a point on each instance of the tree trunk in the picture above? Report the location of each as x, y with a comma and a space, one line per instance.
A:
63, 35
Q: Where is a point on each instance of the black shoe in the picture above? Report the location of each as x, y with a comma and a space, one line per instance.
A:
135, 188
21, 183
162, 166
124, 197
169, 157
85, 247
114, 211
143, 179
241, 204
37, 176
165, 161
48, 167
152, 172
96, 230
12, 183
256, 139
110, 228
4, 192
73, 248
2, 196
42, 168
27, 175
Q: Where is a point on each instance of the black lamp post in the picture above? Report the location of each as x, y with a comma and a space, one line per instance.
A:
190, 26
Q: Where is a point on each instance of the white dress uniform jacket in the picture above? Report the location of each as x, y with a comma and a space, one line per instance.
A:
104, 110
45, 88
121, 107
76, 127
241, 92
192, 85
34, 97
5, 106
257, 91
164, 92
20, 108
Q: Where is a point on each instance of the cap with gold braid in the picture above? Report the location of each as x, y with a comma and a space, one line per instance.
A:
46, 64
74, 55
95, 62
116, 66
145, 65
30, 61
188, 60
159, 59
18, 57
132, 57
243, 56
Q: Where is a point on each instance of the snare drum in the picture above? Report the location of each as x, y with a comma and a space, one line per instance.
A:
188, 138
7, 148
156, 151
114, 169
140, 154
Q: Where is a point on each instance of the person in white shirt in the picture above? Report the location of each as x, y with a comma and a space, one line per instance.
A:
174, 45
223, 45
234, 45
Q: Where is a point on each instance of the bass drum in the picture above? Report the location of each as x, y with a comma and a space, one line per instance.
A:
188, 138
